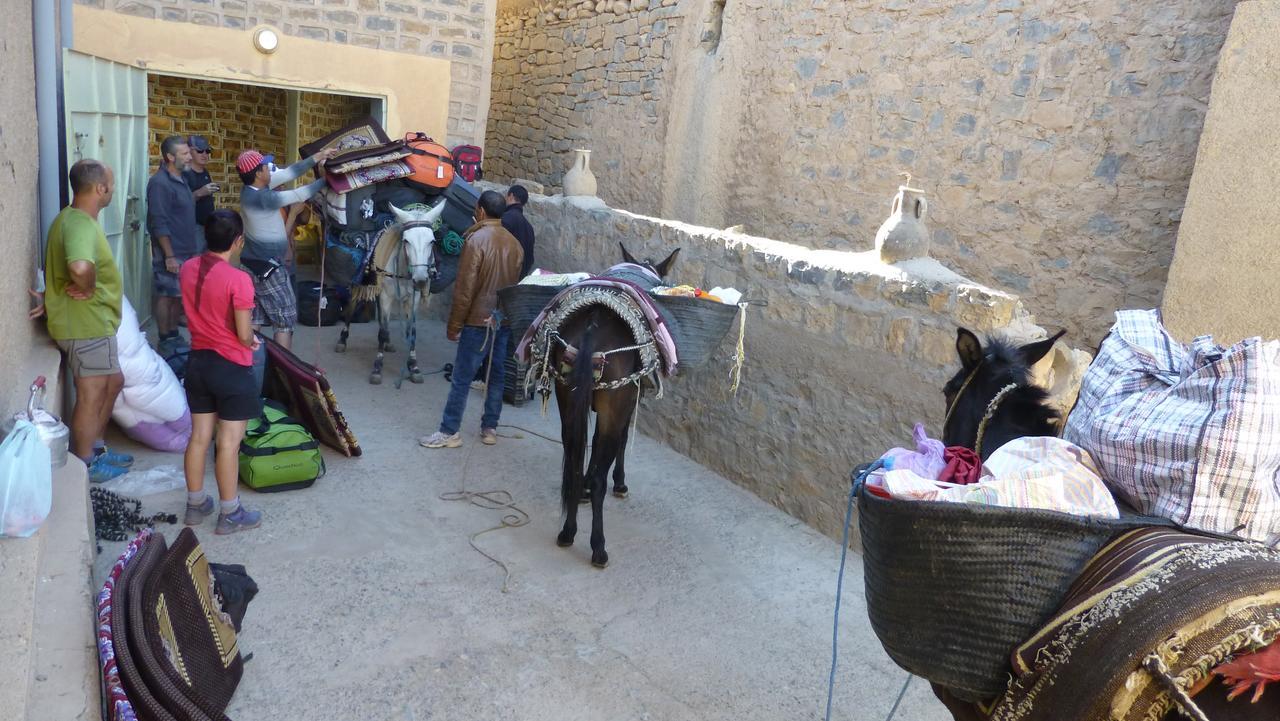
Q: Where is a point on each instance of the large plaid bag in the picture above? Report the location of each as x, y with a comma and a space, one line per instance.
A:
1186, 432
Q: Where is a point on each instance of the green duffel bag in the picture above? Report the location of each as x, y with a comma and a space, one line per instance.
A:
278, 454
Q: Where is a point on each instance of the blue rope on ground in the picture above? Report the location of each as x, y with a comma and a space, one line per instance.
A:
844, 552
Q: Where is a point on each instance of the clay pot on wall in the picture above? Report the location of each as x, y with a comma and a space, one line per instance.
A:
580, 180
904, 235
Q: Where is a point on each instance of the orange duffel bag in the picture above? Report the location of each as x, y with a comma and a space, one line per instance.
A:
431, 162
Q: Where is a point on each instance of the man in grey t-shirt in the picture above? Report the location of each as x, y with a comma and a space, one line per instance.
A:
265, 241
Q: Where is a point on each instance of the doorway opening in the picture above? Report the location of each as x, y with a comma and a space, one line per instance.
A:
238, 116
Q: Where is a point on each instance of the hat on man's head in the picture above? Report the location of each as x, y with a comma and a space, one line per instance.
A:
198, 142
249, 161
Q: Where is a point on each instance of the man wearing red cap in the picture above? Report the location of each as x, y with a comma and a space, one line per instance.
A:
265, 241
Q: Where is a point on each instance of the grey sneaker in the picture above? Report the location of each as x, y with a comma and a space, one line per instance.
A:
477, 385
196, 514
441, 440
241, 519
489, 436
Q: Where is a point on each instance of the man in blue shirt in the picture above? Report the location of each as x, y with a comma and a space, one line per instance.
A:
171, 221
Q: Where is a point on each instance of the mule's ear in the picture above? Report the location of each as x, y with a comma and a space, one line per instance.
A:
401, 215
434, 214
1032, 352
627, 256
665, 265
968, 347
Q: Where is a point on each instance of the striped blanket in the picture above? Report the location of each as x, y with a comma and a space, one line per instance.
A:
1154, 607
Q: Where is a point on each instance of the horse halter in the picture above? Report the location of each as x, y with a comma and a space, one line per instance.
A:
992, 406
411, 225
956, 401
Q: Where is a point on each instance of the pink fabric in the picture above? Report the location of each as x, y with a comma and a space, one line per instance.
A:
666, 344
1251, 671
963, 466
172, 436
925, 461
347, 182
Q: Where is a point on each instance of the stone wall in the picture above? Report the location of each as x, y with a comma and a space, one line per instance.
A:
847, 355
232, 116
456, 30
1229, 228
1056, 137
20, 242
594, 82
25, 344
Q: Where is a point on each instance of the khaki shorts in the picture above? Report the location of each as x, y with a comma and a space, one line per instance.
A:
92, 356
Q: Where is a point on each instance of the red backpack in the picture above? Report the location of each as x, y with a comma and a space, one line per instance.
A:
467, 161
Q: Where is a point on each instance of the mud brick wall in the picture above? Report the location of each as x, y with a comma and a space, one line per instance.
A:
232, 116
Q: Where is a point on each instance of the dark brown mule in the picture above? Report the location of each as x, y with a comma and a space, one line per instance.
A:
985, 373
591, 331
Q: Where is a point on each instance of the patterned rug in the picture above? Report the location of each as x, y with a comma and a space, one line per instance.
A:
363, 133
1154, 610
305, 391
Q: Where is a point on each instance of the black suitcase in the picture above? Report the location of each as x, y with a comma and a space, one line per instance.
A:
460, 198
399, 194
309, 304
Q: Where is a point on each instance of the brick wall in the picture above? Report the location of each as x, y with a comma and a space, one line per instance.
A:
456, 30
232, 116
235, 117
1056, 138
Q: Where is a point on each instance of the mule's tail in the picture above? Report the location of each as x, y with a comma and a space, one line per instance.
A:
581, 384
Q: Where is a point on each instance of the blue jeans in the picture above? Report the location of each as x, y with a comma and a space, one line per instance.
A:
473, 349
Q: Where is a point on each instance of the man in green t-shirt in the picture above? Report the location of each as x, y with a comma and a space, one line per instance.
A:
82, 298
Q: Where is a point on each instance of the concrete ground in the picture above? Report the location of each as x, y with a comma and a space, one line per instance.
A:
716, 605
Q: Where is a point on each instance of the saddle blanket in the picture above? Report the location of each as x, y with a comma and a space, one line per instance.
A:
1154, 608
631, 280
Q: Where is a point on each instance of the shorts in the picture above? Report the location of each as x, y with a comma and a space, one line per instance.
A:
165, 283
91, 357
216, 385
275, 304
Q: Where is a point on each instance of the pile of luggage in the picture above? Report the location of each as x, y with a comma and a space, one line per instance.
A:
370, 174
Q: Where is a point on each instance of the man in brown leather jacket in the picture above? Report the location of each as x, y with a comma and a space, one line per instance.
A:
491, 259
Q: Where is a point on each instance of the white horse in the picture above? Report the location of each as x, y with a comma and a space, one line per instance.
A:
398, 276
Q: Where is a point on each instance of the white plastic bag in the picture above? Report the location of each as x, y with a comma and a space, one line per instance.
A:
144, 483
26, 482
